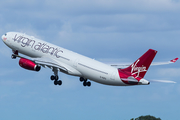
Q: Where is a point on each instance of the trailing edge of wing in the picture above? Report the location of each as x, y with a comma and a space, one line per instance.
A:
51, 63
47, 62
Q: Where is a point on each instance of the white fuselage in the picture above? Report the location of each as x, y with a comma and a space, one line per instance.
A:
77, 64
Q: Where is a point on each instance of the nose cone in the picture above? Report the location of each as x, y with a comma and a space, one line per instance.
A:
3, 38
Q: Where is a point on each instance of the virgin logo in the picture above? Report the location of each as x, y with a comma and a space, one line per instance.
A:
137, 70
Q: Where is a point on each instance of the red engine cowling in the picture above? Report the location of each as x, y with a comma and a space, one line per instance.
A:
28, 64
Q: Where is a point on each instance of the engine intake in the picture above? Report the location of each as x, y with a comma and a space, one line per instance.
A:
28, 64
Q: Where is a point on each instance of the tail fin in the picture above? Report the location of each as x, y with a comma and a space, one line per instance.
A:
141, 65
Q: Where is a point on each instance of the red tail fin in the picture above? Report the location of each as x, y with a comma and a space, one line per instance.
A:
141, 65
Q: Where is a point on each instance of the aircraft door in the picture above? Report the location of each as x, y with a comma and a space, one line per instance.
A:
113, 76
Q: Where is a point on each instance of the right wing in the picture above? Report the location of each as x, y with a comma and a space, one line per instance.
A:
163, 63
153, 63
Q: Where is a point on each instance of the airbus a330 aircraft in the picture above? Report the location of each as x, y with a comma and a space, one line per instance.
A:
44, 54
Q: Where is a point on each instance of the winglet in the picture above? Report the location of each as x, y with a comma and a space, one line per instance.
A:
174, 60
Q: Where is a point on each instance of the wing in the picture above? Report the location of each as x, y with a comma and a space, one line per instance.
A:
53, 64
152, 64
56, 65
163, 63
50, 63
46, 62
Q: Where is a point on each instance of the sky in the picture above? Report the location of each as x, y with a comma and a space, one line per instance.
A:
111, 31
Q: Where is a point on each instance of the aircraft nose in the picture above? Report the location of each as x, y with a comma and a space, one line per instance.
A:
3, 38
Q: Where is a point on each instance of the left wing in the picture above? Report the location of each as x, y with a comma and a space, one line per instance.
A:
50, 63
56, 65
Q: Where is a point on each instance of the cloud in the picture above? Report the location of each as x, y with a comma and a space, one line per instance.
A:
89, 16
80, 7
171, 72
107, 30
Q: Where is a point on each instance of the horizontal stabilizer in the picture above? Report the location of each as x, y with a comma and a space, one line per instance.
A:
162, 81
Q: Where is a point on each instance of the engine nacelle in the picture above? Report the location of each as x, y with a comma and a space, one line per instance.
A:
28, 64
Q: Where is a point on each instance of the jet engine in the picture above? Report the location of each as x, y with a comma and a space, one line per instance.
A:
28, 64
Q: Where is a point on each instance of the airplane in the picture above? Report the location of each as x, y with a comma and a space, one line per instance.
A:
44, 54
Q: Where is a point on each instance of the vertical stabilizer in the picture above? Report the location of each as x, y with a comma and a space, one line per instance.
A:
141, 65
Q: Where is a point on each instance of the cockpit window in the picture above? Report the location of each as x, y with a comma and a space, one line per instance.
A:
5, 34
